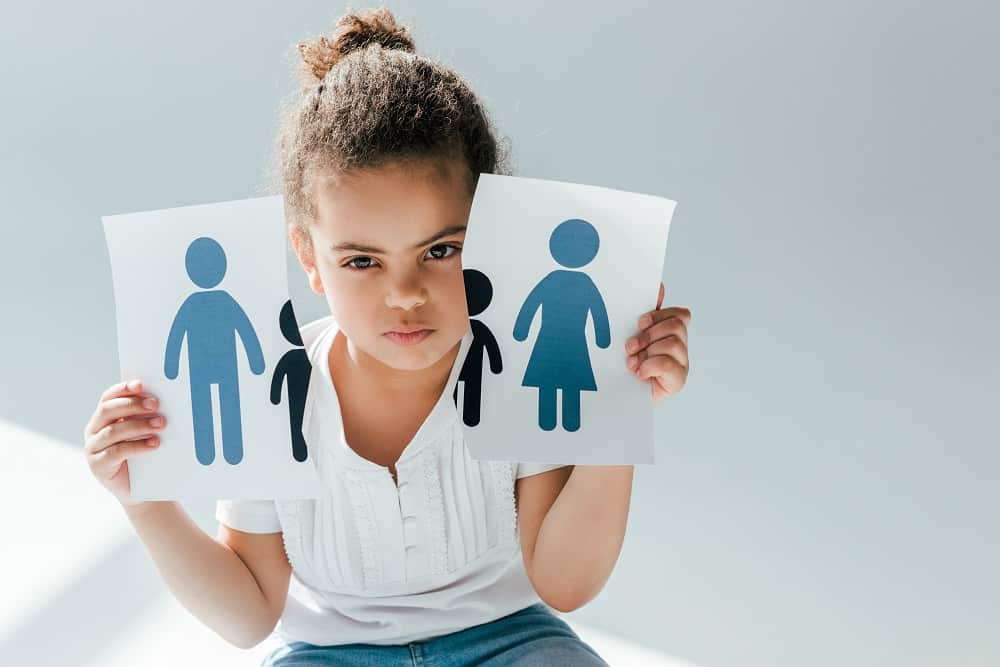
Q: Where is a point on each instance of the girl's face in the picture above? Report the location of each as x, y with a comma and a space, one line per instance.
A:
386, 252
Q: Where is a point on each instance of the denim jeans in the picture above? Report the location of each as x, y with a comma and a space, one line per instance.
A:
531, 636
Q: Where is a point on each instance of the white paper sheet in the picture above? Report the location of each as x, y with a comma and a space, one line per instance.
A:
197, 271
610, 247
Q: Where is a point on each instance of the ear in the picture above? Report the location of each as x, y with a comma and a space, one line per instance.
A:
302, 244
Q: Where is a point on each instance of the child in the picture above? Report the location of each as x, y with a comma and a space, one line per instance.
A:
415, 552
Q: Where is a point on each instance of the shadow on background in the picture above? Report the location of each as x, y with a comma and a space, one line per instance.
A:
99, 607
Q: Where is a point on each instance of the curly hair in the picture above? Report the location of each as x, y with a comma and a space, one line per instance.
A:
367, 99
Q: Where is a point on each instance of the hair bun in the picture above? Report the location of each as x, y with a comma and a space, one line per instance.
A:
352, 32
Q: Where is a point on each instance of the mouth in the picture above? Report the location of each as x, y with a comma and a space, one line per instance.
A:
408, 336
408, 330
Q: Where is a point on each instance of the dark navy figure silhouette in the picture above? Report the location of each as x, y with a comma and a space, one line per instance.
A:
560, 358
295, 369
478, 295
209, 320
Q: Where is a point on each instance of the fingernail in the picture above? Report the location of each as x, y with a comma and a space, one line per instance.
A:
149, 404
133, 385
645, 321
631, 362
156, 421
631, 344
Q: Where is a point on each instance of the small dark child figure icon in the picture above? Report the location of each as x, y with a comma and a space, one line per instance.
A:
560, 358
478, 295
295, 369
208, 319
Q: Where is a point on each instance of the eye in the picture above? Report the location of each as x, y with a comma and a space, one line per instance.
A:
367, 262
446, 246
351, 265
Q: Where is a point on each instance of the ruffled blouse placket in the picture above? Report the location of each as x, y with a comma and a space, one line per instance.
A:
410, 511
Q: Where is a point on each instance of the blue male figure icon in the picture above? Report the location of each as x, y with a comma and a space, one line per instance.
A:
208, 319
560, 358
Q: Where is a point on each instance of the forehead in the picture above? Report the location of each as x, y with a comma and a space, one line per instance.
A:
393, 203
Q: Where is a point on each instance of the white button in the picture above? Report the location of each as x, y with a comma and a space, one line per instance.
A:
411, 532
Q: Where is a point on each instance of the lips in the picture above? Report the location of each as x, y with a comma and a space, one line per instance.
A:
407, 330
409, 338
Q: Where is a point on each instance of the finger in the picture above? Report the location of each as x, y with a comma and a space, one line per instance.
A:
659, 391
671, 326
670, 373
123, 388
671, 345
654, 316
108, 460
122, 431
659, 299
114, 409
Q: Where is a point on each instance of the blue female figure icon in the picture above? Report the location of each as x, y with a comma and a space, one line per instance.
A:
210, 320
560, 358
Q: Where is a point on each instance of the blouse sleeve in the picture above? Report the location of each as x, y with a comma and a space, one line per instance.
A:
528, 469
250, 516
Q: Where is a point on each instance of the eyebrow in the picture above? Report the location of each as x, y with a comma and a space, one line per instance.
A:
447, 231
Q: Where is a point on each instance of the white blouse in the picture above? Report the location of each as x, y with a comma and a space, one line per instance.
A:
381, 564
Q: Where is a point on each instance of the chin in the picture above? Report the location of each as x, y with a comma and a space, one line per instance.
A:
409, 360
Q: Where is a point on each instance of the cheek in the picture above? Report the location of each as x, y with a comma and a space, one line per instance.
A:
354, 298
327, 273
456, 300
350, 300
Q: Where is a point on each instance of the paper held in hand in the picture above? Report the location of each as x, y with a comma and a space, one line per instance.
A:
557, 275
204, 320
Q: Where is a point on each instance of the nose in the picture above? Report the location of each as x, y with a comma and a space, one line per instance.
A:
406, 291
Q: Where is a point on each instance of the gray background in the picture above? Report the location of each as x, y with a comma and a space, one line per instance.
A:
825, 491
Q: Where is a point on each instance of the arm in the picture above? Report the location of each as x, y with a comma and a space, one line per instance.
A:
527, 313
599, 313
250, 341
239, 594
178, 329
572, 524
278, 380
493, 350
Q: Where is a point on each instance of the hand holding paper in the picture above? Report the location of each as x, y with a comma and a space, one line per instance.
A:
659, 352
